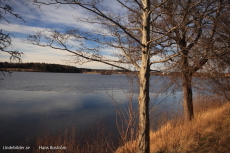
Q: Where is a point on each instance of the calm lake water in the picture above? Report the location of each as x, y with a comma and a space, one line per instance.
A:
34, 102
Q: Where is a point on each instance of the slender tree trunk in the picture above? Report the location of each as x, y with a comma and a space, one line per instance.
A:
187, 95
143, 135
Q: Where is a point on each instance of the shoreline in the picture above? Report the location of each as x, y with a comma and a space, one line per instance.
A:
93, 72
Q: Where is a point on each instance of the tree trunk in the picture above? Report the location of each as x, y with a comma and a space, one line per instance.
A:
187, 95
143, 100
186, 83
143, 137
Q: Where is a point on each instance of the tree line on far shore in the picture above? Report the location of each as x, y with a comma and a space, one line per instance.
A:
41, 67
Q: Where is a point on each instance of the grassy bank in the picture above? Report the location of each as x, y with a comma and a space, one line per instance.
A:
208, 132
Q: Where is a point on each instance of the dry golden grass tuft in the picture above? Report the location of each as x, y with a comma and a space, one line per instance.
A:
209, 131
97, 140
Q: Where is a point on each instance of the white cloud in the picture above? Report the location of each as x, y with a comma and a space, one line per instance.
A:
94, 65
63, 16
110, 51
20, 28
35, 53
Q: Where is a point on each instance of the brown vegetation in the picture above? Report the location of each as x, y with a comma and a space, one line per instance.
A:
97, 140
209, 131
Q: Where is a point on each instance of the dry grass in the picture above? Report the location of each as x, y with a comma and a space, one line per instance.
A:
66, 139
97, 140
209, 132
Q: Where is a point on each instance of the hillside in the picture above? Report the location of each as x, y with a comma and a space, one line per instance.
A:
208, 132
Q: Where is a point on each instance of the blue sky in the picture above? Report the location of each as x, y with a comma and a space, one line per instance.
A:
49, 18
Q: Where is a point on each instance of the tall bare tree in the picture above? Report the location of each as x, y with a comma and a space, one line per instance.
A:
128, 30
195, 40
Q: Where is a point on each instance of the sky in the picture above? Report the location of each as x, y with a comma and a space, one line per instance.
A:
49, 17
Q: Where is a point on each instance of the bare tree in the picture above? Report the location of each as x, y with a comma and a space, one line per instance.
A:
129, 31
195, 40
220, 68
5, 38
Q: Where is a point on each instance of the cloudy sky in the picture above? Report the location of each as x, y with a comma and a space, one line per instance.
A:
50, 17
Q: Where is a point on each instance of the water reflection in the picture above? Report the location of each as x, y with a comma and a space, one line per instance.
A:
33, 102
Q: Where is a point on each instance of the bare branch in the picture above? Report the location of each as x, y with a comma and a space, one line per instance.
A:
178, 25
126, 55
10, 10
165, 60
129, 8
92, 8
139, 4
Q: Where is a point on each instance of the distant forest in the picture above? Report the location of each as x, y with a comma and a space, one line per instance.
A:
41, 67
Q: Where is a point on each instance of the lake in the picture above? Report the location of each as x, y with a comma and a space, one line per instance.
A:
34, 102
